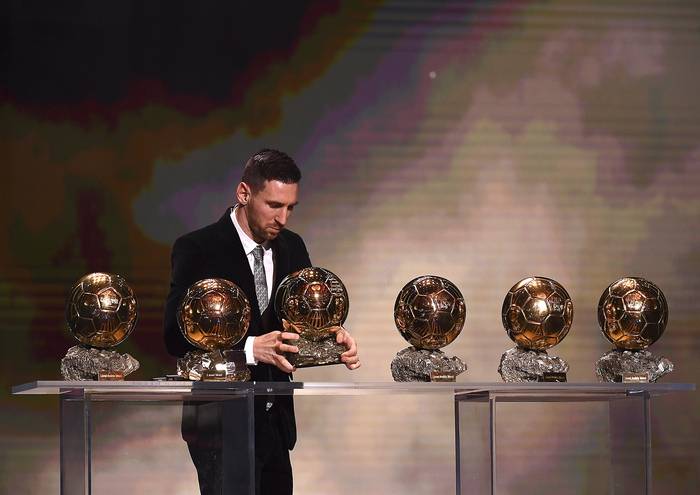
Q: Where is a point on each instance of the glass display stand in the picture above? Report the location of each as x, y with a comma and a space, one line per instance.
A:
84, 405
478, 425
480, 422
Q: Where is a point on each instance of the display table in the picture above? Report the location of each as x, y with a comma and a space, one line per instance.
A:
477, 407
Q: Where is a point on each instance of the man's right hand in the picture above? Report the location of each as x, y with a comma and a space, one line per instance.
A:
270, 348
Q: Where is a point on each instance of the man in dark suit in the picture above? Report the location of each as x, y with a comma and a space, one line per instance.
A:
249, 246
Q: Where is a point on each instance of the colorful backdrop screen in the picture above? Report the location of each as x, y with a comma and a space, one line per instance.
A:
479, 141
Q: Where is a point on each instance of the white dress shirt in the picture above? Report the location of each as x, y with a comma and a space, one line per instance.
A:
249, 246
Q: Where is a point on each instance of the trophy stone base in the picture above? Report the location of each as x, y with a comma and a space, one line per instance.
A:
319, 352
422, 365
83, 363
219, 366
615, 363
524, 365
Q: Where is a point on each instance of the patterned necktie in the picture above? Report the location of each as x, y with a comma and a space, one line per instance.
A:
260, 278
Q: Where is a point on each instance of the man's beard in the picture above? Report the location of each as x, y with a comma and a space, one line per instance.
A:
267, 234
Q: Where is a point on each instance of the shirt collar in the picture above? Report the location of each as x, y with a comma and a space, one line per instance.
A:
248, 244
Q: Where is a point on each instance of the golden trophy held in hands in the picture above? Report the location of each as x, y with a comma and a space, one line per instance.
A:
313, 302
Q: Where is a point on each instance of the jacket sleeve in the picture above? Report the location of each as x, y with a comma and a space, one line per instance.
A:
300, 258
186, 267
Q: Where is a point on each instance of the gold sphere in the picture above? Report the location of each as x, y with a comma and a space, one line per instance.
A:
312, 299
429, 312
214, 314
537, 313
632, 313
101, 310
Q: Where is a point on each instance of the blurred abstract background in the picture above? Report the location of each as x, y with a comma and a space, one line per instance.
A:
483, 141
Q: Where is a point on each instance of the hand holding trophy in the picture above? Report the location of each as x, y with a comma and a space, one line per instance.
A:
313, 302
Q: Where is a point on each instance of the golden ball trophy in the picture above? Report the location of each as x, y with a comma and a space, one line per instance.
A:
101, 312
537, 314
214, 316
312, 302
632, 314
429, 313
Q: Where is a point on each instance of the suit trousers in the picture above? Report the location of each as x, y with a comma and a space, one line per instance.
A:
219, 449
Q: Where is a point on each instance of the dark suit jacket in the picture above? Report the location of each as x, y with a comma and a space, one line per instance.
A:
215, 251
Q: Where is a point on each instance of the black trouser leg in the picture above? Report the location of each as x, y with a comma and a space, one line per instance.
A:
273, 469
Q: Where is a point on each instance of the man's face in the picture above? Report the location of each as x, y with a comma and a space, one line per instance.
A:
268, 209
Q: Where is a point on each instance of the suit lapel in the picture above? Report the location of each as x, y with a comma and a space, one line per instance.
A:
235, 261
280, 255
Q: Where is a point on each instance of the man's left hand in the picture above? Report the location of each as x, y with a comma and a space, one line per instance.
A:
349, 357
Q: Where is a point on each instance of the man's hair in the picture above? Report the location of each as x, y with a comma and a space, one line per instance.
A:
268, 164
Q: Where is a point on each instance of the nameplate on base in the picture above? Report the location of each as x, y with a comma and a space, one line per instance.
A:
441, 376
110, 376
630, 377
214, 376
552, 376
